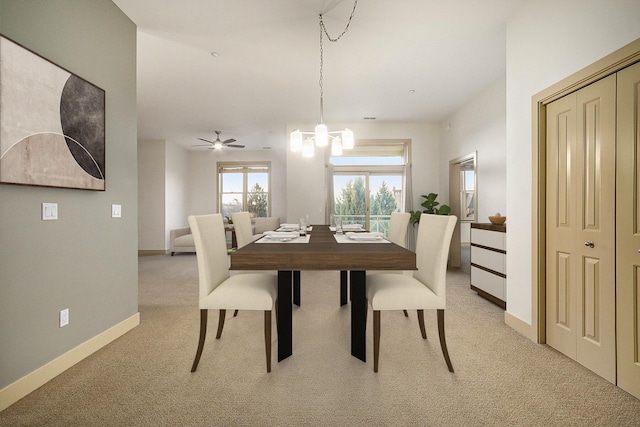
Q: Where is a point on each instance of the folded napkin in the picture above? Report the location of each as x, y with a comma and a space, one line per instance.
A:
284, 227
281, 234
365, 236
352, 227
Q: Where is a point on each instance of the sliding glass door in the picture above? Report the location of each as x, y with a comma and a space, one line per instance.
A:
368, 183
367, 198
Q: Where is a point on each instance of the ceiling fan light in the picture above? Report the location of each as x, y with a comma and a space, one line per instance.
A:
218, 145
308, 148
296, 140
347, 139
322, 135
336, 146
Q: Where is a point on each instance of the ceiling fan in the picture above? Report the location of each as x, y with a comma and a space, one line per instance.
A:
218, 144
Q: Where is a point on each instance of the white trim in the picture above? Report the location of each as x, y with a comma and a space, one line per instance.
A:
520, 326
30, 382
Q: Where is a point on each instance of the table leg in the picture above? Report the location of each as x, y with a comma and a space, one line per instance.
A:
343, 287
358, 315
285, 315
296, 288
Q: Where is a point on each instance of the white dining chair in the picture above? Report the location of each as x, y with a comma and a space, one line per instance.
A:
425, 290
243, 229
398, 224
221, 291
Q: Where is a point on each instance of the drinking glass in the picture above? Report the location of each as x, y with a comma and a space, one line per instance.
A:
338, 225
303, 226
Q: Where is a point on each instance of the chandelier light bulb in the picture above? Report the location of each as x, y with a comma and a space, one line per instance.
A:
336, 146
322, 135
296, 141
347, 139
308, 148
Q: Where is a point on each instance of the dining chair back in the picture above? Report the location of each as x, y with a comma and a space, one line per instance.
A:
432, 253
220, 290
426, 289
398, 225
243, 228
398, 228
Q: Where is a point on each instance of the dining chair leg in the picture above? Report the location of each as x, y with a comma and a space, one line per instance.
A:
423, 331
376, 339
203, 334
267, 338
443, 342
405, 313
220, 323
235, 313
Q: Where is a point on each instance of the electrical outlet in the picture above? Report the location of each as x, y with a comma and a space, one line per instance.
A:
64, 317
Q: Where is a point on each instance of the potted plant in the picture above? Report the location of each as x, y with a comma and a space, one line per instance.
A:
430, 205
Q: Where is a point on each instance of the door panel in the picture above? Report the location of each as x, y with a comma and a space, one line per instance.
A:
561, 231
580, 226
595, 161
628, 230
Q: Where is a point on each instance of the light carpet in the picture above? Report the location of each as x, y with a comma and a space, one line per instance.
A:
144, 378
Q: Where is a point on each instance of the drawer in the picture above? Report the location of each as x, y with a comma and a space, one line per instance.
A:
488, 282
490, 259
492, 239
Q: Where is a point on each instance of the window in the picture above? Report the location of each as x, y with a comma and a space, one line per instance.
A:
368, 183
244, 187
467, 190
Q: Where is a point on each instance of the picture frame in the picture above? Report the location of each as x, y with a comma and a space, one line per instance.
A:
52, 123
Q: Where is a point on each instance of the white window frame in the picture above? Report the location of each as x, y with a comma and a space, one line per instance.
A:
245, 168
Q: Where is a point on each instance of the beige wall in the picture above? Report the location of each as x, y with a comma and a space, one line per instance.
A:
151, 195
480, 125
46, 266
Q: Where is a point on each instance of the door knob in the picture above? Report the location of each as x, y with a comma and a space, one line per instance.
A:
589, 243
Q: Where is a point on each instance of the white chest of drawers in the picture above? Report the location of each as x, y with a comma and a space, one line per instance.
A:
488, 262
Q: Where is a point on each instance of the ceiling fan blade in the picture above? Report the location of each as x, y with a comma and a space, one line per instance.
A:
202, 145
235, 145
206, 140
229, 141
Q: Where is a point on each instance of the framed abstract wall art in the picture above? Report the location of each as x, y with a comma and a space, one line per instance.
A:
52, 123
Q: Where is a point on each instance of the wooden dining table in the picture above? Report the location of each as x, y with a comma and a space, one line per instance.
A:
322, 252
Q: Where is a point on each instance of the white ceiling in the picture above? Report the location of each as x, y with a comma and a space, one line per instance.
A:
267, 71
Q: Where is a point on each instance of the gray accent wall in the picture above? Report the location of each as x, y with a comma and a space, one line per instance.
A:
85, 261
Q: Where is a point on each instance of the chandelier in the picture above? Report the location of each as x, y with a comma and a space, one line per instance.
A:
321, 136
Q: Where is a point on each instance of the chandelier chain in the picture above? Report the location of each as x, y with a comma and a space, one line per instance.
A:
323, 29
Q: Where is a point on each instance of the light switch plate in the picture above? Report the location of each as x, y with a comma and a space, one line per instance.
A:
49, 211
64, 317
116, 211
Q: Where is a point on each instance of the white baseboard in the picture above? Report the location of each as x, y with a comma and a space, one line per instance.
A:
520, 326
25, 385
